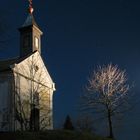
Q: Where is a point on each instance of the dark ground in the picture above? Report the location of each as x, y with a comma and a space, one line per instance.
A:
50, 135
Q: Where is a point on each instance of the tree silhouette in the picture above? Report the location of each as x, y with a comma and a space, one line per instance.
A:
107, 93
68, 123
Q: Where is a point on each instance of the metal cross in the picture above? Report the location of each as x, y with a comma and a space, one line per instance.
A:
30, 9
30, 3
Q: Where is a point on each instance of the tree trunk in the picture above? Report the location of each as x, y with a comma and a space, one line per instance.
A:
110, 125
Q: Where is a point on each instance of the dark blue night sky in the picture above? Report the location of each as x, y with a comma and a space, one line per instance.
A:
78, 36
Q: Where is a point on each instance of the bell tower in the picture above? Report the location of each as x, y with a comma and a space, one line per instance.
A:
30, 34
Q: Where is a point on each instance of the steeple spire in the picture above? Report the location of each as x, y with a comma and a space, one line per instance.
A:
30, 19
30, 8
30, 34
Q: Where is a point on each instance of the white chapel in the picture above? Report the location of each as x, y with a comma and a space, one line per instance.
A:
26, 87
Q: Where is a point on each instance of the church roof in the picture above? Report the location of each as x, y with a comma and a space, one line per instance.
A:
5, 64
29, 21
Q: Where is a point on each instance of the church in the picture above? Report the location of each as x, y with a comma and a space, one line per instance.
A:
26, 87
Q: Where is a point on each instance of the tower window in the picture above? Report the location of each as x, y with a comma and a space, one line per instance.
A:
36, 42
26, 41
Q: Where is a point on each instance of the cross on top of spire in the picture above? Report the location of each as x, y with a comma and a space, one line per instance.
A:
30, 9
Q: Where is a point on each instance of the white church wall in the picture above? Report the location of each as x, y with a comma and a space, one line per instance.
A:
22, 104
6, 92
32, 73
34, 67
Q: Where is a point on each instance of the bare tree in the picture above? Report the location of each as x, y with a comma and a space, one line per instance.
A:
107, 93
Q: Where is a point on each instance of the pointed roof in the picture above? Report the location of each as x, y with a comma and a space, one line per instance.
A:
30, 21
5, 64
30, 18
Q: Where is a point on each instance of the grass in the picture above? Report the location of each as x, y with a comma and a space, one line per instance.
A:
50, 135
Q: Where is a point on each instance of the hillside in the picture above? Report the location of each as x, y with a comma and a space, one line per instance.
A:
50, 135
